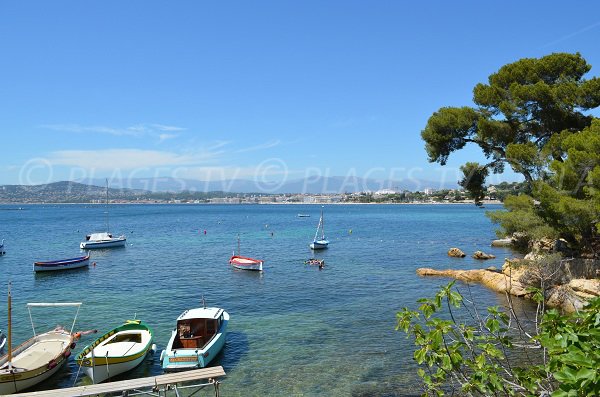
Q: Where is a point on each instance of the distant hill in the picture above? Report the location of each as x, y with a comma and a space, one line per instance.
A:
316, 185
63, 192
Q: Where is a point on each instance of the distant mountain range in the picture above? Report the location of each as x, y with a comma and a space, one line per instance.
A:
317, 185
172, 189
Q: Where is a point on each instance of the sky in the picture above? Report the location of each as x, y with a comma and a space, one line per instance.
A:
258, 90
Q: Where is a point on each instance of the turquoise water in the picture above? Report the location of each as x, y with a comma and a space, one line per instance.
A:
295, 330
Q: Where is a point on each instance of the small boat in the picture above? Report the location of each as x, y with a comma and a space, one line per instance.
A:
64, 264
119, 350
303, 215
2, 252
321, 243
104, 239
198, 337
245, 263
38, 358
314, 261
2, 341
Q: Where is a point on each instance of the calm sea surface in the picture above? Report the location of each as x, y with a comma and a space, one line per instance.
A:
295, 330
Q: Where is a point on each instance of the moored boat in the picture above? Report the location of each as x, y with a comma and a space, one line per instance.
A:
104, 239
2, 248
322, 242
119, 350
245, 263
64, 264
38, 358
198, 337
315, 261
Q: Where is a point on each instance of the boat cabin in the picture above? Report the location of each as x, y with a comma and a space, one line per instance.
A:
195, 333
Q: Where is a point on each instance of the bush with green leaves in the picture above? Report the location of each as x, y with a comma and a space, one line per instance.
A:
495, 353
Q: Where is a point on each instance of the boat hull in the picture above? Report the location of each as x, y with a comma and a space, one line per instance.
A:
244, 263
182, 359
28, 375
66, 264
117, 242
100, 367
319, 245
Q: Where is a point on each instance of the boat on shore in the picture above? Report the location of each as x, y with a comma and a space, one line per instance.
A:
245, 263
119, 350
38, 358
63, 264
322, 242
198, 337
103, 239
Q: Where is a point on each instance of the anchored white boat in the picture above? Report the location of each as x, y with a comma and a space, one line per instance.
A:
198, 337
36, 359
119, 350
320, 243
104, 239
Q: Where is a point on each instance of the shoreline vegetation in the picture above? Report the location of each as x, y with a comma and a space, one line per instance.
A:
532, 116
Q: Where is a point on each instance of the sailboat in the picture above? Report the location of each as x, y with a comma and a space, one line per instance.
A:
36, 359
105, 239
320, 243
245, 263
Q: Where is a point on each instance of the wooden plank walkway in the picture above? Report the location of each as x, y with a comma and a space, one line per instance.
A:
131, 384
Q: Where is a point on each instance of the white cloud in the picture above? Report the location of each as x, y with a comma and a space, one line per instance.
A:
128, 159
262, 146
164, 137
142, 129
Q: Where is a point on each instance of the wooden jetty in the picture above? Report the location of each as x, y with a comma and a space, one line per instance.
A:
155, 385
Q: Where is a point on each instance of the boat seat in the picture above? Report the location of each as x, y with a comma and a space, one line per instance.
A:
192, 342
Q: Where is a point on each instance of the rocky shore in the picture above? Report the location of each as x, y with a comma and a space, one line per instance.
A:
567, 283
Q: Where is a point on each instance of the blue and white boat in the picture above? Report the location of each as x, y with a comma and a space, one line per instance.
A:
2, 248
322, 242
198, 337
63, 264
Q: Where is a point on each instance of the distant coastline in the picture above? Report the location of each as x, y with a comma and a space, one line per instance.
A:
484, 202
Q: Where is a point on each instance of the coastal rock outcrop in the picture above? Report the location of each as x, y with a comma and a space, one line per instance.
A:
491, 278
482, 255
564, 289
456, 253
503, 242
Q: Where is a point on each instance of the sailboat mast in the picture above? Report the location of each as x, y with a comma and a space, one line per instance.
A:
238, 245
107, 228
323, 225
9, 341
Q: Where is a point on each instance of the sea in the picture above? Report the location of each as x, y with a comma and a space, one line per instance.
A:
295, 329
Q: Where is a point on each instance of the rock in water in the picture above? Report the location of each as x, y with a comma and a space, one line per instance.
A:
456, 253
482, 255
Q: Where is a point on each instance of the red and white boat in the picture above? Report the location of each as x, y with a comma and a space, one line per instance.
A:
245, 263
